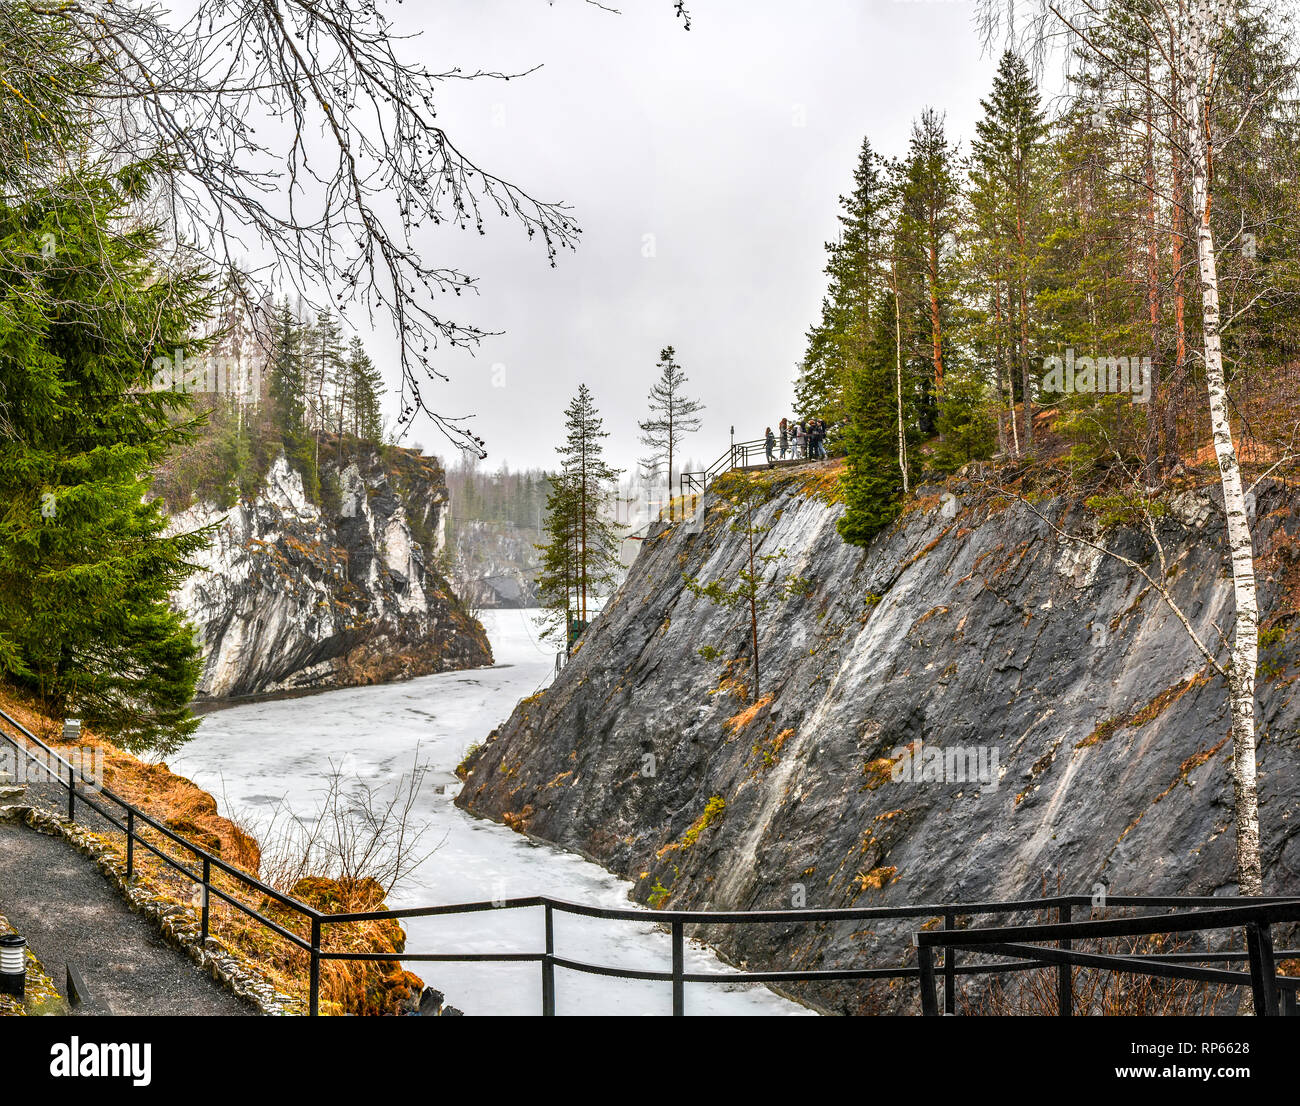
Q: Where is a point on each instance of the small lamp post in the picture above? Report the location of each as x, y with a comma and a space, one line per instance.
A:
13, 965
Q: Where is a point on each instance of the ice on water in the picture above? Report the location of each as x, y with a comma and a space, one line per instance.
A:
255, 756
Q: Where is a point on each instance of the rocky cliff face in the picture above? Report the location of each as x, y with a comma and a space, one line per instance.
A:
496, 565
290, 596
1045, 714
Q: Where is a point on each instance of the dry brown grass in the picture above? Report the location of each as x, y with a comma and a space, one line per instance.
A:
379, 987
1098, 991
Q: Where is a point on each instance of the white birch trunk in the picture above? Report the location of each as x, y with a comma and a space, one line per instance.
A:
1198, 32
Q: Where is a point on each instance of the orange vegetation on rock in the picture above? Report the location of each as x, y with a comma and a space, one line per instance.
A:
738, 722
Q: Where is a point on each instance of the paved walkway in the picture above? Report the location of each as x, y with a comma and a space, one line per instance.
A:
70, 914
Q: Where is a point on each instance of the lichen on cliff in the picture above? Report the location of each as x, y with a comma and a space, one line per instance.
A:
1053, 653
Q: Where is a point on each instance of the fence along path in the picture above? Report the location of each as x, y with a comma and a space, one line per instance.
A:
71, 915
1273, 994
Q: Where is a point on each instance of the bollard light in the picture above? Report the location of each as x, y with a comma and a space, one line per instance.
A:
71, 729
13, 965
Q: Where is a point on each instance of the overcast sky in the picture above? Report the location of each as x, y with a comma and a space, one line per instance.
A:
729, 144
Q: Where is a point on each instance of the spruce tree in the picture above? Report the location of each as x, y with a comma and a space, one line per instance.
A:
582, 540
873, 481
365, 386
288, 367
558, 572
324, 372
855, 265
1010, 178
967, 427
86, 563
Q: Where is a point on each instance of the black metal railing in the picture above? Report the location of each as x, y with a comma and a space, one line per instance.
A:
133, 822
1273, 993
739, 455
950, 938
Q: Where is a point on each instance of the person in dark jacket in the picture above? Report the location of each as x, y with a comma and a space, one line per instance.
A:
785, 437
770, 442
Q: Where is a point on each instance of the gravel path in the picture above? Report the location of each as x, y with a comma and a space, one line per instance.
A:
70, 914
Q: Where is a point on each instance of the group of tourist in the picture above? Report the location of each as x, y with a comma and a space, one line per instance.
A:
798, 440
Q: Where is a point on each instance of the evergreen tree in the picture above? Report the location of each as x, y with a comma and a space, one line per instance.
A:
288, 367
365, 387
324, 373
855, 265
673, 415
1010, 178
873, 481
558, 572
967, 428
86, 563
928, 198
582, 540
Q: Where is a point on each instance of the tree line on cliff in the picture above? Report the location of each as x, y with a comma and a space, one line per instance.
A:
1130, 260
1064, 237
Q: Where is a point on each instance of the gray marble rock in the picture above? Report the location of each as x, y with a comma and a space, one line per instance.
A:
1105, 758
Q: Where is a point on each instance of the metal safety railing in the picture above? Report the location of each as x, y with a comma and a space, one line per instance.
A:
133, 822
740, 455
1273, 993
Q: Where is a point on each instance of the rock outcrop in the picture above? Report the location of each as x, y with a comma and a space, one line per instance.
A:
497, 565
1084, 743
291, 596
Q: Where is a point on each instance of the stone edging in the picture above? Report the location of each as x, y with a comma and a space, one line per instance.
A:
178, 926
42, 996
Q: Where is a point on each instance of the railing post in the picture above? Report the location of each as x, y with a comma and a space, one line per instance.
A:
1064, 972
313, 990
548, 967
207, 878
130, 841
925, 959
1259, 945
949, 968
72, 794
679, 967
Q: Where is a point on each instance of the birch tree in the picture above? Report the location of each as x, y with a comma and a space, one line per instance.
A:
304, 130
1189, 35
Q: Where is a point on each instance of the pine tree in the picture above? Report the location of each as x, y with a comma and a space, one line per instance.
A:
365, 387
287, 364
928, 196
86, 563
582, 541
673, 415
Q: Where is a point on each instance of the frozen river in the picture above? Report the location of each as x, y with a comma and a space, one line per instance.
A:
258, 756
